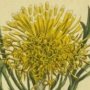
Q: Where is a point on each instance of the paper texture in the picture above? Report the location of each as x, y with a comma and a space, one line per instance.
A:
78, 7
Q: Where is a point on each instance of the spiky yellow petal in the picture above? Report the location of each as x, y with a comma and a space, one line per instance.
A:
44, 40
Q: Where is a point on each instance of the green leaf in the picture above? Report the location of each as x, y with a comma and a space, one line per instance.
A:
6, 76
62, 82
1, 62
88, 22
55, 82
86, 28
84, 76
83, 70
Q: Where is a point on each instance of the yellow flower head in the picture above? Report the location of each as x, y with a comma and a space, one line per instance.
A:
44, 40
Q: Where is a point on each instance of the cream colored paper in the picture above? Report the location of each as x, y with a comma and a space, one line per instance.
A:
78, 7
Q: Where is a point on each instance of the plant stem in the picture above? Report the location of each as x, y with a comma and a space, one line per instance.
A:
55, 82
73, 86
7, 79
28, 82
14, 79
21, 83
1, 88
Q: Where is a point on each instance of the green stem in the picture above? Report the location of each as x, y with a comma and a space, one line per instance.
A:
1, 63
28, 82
82, 70
73, 83
1, 88
73, 86
14, 79
55, 82
24, 88
7, 79
32, 79
60, 82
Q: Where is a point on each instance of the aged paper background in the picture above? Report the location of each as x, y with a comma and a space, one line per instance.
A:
78, 7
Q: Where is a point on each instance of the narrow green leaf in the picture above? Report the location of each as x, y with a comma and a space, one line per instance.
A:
86, 28
55, 82
88, 22
7, 79
82, 70
84, 76
28, 82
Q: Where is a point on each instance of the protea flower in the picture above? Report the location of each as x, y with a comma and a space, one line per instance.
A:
44, 41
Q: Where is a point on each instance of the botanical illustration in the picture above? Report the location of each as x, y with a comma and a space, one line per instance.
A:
42, 47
